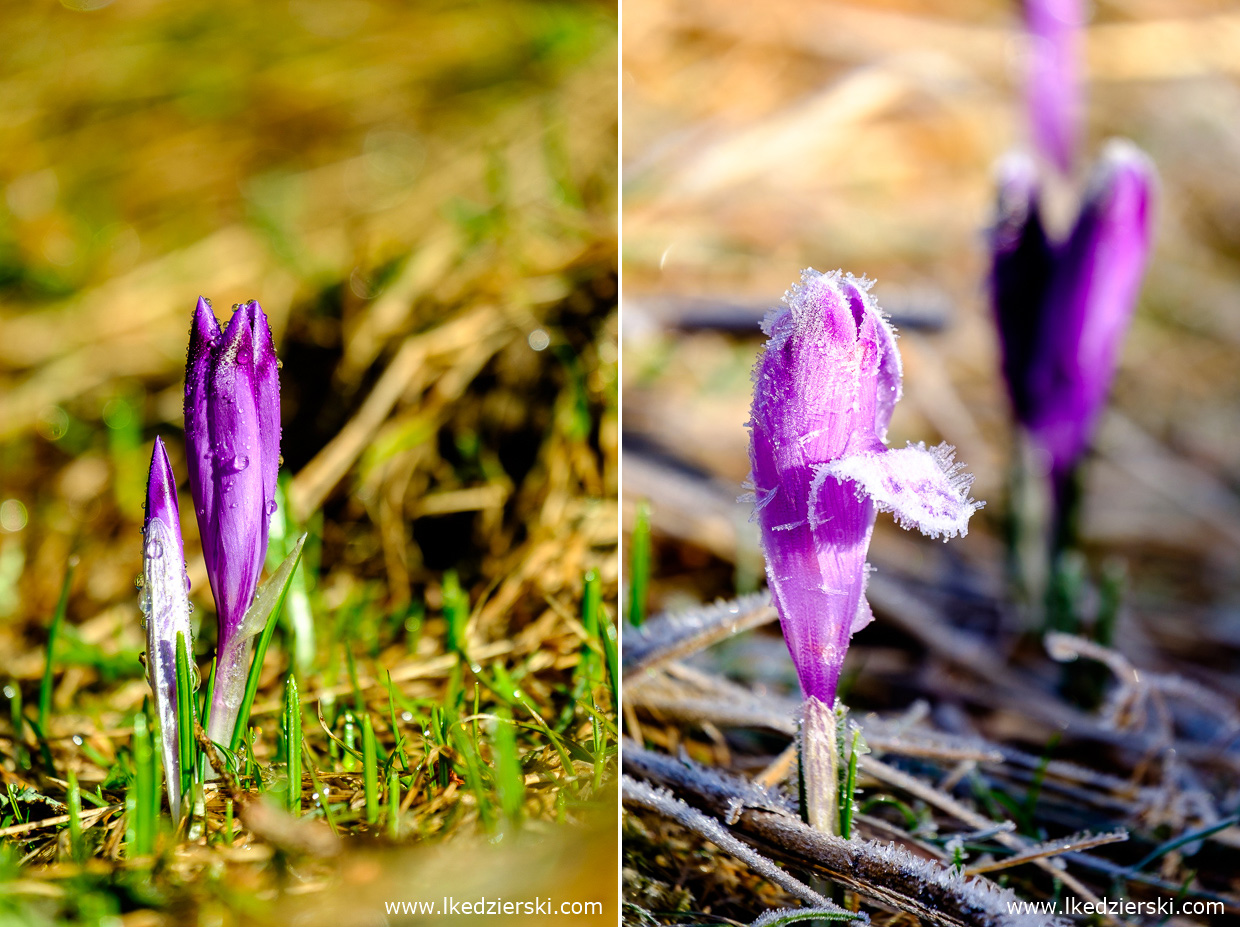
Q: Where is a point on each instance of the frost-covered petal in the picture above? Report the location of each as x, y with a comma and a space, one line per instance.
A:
921, 487
165, 606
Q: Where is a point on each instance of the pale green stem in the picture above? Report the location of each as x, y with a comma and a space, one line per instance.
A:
231, 670
820, 766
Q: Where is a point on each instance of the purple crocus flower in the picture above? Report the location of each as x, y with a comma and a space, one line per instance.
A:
165, 608
824, 391
232, 429
1054, 85
1062, 308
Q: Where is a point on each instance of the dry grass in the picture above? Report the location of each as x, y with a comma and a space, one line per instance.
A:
424, 202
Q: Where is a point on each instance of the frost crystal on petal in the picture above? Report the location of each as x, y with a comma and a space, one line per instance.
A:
922, 487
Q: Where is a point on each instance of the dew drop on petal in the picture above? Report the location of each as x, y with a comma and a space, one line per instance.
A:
271, 506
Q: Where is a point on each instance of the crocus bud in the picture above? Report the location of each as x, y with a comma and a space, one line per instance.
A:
824, 391
165, 608
232, 429
1054, 85
1062, 308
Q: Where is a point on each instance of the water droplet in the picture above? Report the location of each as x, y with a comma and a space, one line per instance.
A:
271, 506
406, 716
279, 364
476, 668
154, 549
239, 463
77, 739
9, 692
280, 461
139, 581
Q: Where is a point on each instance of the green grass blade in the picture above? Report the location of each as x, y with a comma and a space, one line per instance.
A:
185, 717
141, 836
639, 565
370, 770
393, 801
591, 599
473, 775
607, 634
73, 802
509, 779
53, 633
849, 793
292, 743
455, 612
297, 608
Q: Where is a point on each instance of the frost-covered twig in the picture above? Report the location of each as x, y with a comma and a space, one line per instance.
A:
644, 795
960, 812
669, 637
886, 873
1075, 843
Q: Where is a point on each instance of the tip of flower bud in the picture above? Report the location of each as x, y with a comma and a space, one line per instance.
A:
206, 329
161, 487
1122, 167
238, 337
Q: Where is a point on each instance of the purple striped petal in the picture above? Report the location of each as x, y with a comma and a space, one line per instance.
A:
237, 479
267, 394
204, 336
165, 606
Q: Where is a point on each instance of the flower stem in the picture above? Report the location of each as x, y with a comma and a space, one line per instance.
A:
232, 667
820, 766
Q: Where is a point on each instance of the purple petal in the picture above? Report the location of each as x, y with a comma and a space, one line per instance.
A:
1054, 83
816, 397
923, 488
1020, 274
240, 542
204, 335
165, 604
267, 397
1092, 296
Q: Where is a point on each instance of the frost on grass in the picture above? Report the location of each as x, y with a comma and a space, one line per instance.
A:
1075, 843
667, 637
782, 916
884, 872
663, 802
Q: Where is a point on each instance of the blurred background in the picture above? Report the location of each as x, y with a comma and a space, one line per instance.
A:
423, 199
761, 138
